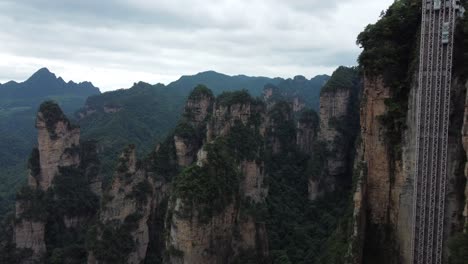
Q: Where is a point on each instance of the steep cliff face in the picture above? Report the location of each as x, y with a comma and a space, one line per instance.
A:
52, 168
384, 198
307, 130
190, 131
389, 181
337, 131
334, 105
56, 140
209, 219
126, 213
389, 214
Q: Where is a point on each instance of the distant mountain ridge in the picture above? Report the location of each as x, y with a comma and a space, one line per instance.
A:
220, 82
44, 83
151, 111
19, 102
114, 118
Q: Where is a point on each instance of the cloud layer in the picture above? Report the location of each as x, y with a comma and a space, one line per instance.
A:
114, 43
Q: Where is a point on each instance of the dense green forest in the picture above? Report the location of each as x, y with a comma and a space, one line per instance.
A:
143, 115
19, 103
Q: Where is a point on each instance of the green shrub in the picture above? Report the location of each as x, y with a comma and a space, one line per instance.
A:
34, 203
200, 91
34, 165
73, 196
458, 246
115, 242
283, 127
212, 187
390, 51
185, 130
343, 78
232, 98
52, 114
245, 142
309, 116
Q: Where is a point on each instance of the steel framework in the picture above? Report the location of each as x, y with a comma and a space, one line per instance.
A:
432, 114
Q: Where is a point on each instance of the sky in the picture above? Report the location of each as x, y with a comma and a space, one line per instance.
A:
114, 43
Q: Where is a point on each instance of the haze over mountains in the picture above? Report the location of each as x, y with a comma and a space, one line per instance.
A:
139, 113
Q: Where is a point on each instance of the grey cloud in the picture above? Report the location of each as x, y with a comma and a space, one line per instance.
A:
113, 43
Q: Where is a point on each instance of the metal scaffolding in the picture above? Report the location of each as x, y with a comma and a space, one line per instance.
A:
433, 113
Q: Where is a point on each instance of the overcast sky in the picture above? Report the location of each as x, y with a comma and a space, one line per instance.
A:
114, 43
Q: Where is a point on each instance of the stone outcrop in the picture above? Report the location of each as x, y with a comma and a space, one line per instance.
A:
130, 200
186, 150
189, 133
57, 143
224, 236
334, 105
59, 152
225, 116
253, 185
30, 235
337, 132
199, 106
193, 242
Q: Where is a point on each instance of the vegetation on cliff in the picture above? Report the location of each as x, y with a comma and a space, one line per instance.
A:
19, 102
52, 114
343, 78
199, 92
232, 98
300, 231
210, 188
390, 52
115, 243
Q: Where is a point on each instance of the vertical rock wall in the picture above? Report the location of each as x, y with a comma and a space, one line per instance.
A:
388, 199
228, 234
58, 142
131, 197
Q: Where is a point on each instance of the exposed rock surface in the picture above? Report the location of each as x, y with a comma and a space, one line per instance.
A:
253, 184
386, 205
334, 107
30, 235
59, 154
307, 129
55, 148
186, 150
196, 236
225, 116
130, 200
337, 132
57, 143
188, 136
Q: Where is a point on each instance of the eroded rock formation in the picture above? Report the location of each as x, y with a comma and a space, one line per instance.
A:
59, 156
337, 132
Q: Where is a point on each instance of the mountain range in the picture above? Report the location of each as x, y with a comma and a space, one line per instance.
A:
141, 113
